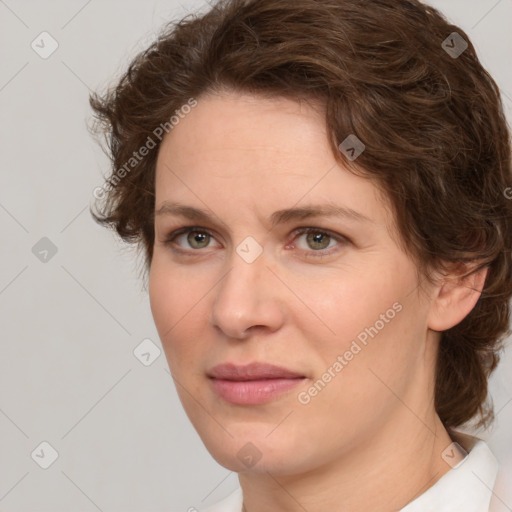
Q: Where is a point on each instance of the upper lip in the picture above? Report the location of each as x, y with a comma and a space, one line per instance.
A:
252, 371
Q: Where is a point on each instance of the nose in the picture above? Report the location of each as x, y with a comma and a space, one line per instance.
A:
248, 299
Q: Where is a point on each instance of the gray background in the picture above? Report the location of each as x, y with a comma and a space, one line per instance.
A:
68, 375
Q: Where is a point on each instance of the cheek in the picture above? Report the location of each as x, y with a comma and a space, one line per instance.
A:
354, 302
162, 298
372, 319
175, 307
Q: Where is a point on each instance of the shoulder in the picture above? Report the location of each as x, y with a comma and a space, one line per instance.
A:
502, 493
468, 486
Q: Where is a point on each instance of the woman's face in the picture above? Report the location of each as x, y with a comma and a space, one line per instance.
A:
339, 306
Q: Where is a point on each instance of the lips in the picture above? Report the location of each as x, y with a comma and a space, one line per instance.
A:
252, 371
252, 384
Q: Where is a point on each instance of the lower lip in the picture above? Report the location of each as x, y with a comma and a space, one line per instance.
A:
252, 392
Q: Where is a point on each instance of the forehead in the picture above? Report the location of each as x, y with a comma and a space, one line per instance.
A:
242, 151
232, 124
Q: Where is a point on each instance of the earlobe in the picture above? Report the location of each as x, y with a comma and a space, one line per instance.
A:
455, 297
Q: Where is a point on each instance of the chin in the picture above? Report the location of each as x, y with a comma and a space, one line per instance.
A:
254, 450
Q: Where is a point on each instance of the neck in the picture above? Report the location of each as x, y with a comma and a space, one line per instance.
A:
391, 468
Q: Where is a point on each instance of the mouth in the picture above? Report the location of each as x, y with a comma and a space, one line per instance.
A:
252, 384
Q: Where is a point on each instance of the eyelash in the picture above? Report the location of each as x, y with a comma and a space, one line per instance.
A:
342, 240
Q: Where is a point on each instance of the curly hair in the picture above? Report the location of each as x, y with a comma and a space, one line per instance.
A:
431, 119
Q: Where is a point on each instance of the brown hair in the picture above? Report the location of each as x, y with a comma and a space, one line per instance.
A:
436, 140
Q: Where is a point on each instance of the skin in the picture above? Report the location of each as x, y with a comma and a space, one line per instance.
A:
241, 158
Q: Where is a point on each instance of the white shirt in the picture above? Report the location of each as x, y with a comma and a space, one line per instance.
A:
465, 488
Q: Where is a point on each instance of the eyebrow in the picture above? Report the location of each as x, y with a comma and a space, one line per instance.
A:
284, 216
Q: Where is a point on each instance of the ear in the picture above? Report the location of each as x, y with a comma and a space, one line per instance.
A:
455, 296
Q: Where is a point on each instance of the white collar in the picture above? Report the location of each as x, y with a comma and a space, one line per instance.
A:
466, 487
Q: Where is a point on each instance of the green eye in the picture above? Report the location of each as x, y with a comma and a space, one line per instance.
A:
198, 239
310, 242
318, 240
318, 243
190, 239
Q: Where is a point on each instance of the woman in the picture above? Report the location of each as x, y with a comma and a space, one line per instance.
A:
319, 191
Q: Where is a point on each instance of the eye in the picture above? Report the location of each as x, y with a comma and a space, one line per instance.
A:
312, 242
315, 240
193, 236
